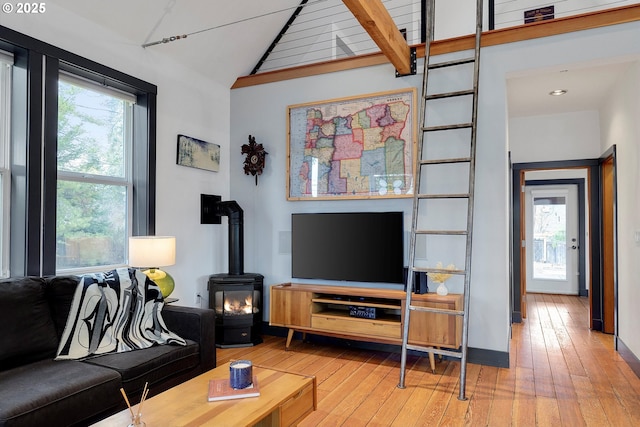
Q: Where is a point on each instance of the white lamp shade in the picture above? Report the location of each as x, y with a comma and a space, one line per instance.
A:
152, 251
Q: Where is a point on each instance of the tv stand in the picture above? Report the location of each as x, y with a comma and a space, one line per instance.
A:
364, 314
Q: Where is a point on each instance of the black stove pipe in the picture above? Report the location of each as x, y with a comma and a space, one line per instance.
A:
236, 236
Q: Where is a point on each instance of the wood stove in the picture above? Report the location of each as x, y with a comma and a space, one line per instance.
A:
237, 296
237, 300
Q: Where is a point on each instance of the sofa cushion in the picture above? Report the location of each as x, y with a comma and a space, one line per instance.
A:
60, 291
57, 393
27, 332
153, 365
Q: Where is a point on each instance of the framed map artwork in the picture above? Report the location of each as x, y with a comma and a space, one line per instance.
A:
352, 148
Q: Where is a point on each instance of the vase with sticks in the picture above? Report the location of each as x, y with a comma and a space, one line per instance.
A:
440, 277
136, 417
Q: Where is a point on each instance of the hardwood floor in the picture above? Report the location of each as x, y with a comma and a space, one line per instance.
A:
561, 374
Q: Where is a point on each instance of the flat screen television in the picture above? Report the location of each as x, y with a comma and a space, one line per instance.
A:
354, 246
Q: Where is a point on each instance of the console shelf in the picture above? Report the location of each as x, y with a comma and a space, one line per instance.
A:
365, 314
366, 303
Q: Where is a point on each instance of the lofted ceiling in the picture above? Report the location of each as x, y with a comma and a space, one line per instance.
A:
245, 29
233, 35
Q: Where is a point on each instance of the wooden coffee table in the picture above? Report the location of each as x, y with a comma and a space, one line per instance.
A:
285, 399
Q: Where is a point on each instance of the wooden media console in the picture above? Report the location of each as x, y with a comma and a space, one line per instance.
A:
364, 314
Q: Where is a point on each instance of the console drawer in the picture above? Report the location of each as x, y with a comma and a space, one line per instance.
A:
358, 326
293, 410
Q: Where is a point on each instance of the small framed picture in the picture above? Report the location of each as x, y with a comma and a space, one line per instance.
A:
199, 154
540, 14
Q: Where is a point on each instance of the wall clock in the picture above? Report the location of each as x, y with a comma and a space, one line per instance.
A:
254, 162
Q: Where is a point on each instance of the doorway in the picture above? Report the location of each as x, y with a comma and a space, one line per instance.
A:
590, 242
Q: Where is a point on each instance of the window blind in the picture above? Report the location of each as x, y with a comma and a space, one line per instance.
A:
6, 57
97, 87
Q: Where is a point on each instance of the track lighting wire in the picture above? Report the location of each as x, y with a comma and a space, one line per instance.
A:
184, 36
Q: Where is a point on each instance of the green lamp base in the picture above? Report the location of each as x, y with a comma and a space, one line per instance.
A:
163, 279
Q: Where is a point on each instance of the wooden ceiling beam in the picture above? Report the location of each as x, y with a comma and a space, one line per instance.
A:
377, 21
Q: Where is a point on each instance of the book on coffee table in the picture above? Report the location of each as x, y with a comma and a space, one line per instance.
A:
221, 390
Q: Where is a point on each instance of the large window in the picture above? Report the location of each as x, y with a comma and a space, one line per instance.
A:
81, 161
94, 175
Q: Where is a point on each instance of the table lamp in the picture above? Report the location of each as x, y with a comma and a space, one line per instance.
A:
152, 252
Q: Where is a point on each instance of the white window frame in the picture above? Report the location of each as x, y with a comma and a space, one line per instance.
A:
126, 181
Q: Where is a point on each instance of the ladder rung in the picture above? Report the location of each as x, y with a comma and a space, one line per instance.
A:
443, 161
450, 94
451, 63
446, 127
437, 270
443, 196
437, 310
443, 232
434, 350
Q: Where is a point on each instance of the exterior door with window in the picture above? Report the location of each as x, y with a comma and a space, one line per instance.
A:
552, 244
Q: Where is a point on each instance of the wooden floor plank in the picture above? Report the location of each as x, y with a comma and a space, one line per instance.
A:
399, 399
547, 412
521, 343
561, 374
431, 385
590, 407
502, 406
542, 342
347, 399
374, 401
623, 391
524, 402
459, 410
481, 399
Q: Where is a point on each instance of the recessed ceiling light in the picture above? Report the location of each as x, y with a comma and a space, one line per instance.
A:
558, 92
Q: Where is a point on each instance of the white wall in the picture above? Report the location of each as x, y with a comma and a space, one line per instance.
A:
267, 211
188, 104
620, 126
574, 135
261, 111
